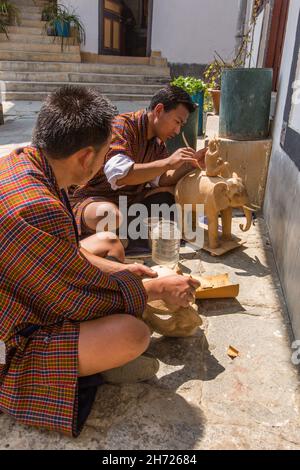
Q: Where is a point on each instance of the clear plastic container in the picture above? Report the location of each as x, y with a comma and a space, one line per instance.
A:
150, 223
166, 238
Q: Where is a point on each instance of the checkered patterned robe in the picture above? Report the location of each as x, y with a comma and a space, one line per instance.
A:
129, 138
45, 281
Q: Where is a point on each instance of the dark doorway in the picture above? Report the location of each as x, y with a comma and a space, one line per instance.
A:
125, 27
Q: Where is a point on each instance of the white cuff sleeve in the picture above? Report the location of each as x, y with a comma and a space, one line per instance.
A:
117, 168
155, 183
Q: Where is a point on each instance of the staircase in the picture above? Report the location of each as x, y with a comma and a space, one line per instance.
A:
33, 64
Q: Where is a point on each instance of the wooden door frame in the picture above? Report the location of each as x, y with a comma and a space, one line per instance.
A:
276, 38
101, 25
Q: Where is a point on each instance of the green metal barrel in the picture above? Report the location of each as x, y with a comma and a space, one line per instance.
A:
245, 103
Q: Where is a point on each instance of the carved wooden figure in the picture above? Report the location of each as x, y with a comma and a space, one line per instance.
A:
215, 166
219, 196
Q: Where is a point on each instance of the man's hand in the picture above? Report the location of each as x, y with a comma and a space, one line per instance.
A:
181, 157
140, 270
174, 290
200, 156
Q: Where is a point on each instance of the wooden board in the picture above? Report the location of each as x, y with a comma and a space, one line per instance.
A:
216, 287
225, 246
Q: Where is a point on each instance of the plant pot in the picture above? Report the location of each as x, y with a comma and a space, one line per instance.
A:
245, 104
216, 97
62, 28
198, 98
51, 31
191, 133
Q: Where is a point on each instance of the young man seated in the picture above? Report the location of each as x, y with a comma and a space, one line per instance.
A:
138, 165
65, 314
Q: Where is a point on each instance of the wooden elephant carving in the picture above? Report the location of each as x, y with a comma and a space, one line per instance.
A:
219, 196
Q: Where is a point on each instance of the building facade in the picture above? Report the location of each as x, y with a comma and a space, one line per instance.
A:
283, 189
187, 33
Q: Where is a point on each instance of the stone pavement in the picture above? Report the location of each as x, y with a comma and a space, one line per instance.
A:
202, 399
20, 116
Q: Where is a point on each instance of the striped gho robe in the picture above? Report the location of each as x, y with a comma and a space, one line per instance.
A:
45, 281
129, 139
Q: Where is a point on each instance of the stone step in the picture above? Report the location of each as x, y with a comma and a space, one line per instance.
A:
111, 88
30, 3
83, 77
33, 23
36, 47
39, 38
30, 15
37, 66
32, 96
25, 30
39, 56
30, 8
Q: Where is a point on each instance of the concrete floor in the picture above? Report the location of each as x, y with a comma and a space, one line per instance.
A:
20, 116
201, 399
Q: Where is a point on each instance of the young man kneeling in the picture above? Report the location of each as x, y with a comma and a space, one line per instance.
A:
65, 314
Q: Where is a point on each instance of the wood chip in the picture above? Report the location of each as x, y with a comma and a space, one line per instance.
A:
232, 352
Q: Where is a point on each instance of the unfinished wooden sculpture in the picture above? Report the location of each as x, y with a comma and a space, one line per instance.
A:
218, 195
215, 165
181, 322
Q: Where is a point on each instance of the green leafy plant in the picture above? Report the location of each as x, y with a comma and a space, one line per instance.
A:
49, 10
58, 17
191, 85
214, 70
9, 13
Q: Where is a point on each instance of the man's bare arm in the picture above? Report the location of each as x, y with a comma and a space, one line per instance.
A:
145, 172
171, 177
113, 267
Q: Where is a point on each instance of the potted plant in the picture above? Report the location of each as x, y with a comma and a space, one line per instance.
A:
212, 76
196, 88
188, 137
61, 22
214, 71
9, 13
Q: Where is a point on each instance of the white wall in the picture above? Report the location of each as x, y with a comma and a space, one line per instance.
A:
283, 190
294, 122
89, 15
259, 39
189, 31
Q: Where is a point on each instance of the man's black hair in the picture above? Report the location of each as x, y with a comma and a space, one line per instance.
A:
171, 97
73, 118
